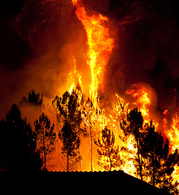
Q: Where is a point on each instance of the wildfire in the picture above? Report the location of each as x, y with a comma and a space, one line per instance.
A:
172, 131
76, 79
140, 94
100, 45
95, 118
173, 134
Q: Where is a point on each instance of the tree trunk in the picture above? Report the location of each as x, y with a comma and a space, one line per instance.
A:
67, 162
139, 160
153, 166
110, 163
44, 150
91, 150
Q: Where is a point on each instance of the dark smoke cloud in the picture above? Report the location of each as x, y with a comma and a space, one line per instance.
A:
12, 48
39, 39
146, 48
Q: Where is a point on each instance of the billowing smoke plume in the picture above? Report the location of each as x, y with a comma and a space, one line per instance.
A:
40, 38
146, 48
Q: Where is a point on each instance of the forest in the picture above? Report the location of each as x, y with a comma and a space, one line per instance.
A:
25, 147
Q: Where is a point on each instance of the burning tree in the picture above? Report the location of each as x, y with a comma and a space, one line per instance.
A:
69, 112
69, 109
155, 162
133, 125
71, 143
160, 162
108, 153
45, 136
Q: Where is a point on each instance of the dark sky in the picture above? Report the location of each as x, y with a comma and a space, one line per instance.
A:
12, 48
38, 39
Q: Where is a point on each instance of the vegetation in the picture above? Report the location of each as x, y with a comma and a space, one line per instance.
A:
108, 153
24, 149
160, 161
155, 162
18, 150
45, 136
133, 125
69, 112
71, 143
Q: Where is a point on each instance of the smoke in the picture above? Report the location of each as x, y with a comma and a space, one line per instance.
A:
40, 55
146, 49
41, 38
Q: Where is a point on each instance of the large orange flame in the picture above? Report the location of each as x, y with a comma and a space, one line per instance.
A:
139, 92
172, 133
99, 42
76, 78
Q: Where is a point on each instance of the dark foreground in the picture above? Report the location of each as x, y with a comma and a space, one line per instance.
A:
116, 182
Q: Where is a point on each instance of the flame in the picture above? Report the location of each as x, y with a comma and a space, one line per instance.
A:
76, 79
172, 132
140, 93
100, 45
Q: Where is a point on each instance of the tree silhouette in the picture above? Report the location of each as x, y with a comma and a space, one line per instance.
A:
17, 144
107, 149
45, 136
133, 125
69, 108
160, 161
88, 110
33, 98
71, 143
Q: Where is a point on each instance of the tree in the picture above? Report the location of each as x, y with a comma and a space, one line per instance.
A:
71, 143
69, 110
160, 161
88, 113
33, 98
107, 149
69, 107
17, 144
45, 135
133, 125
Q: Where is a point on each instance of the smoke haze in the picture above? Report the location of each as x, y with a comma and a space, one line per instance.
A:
39, 39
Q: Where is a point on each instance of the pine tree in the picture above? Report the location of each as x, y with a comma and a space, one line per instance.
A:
45, 136
160, 161
108, 151
71, 143
69, 111
134, 125
18, 144
33, 98
69, 108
